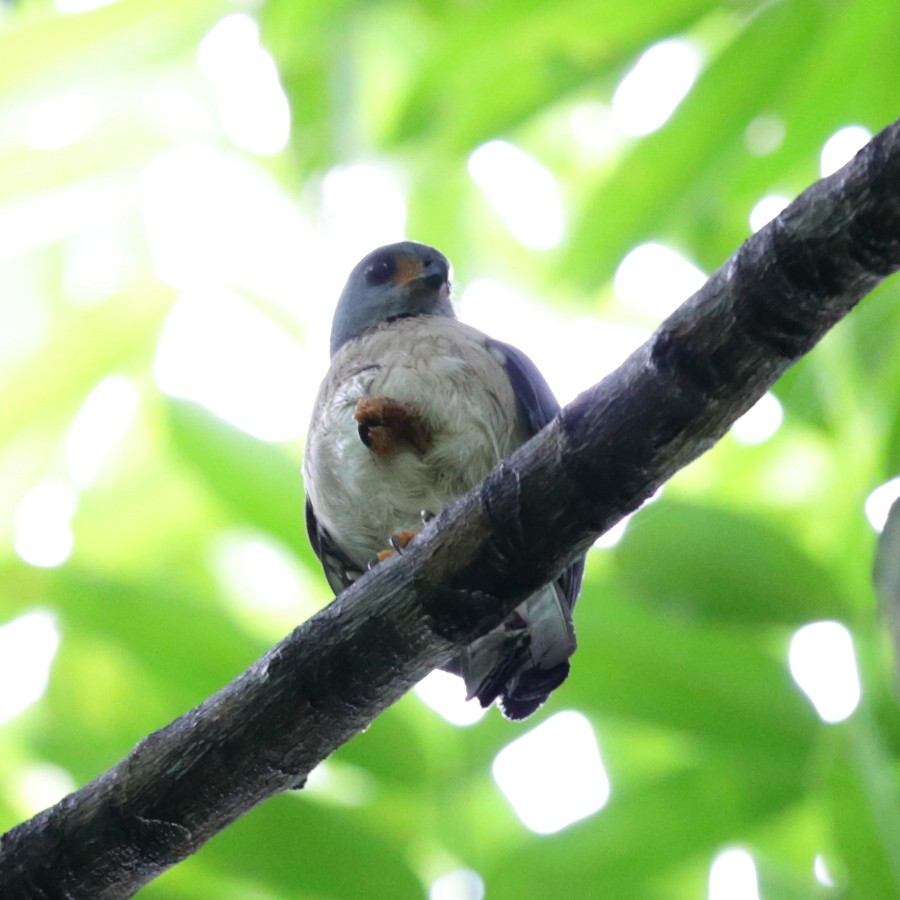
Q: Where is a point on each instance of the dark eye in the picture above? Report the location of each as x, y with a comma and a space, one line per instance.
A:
380, 270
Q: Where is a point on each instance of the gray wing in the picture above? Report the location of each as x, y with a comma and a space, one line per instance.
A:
537, 405
537, 408
520, 663
340, 571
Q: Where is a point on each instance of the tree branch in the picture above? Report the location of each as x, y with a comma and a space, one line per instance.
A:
597, 461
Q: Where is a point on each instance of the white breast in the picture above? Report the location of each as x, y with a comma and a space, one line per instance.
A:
442, 367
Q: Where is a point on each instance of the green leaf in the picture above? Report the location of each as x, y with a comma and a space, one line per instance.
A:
537, 55
256, 479
647, 829
653, 184
716, 685
292, 847
723, 566
112, 37
865, 812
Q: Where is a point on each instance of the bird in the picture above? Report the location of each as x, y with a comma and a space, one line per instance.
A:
415, 410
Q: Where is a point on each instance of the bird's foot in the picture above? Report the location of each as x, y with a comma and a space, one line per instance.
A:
386, 426
397, 542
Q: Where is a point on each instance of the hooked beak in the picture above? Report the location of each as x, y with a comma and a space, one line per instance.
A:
422, 276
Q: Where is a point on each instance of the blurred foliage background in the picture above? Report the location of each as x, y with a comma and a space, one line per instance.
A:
183, 188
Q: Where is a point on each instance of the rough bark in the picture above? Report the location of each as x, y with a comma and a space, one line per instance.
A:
597, 461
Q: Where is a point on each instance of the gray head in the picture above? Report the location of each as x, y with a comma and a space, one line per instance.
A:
392, 282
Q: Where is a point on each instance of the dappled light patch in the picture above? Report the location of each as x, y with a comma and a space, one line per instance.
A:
243, 368
27, 647
553, 775
651, 91
654, 278
254, 109
760, 422
460, 884
823, 664
880, 501
446, 695
523, 191
842, 146
43, 524
733, 876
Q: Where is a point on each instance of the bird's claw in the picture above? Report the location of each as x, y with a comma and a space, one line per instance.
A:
386, 425
397, 543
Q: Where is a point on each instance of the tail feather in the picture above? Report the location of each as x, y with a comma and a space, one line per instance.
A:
520, 663
530, 690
